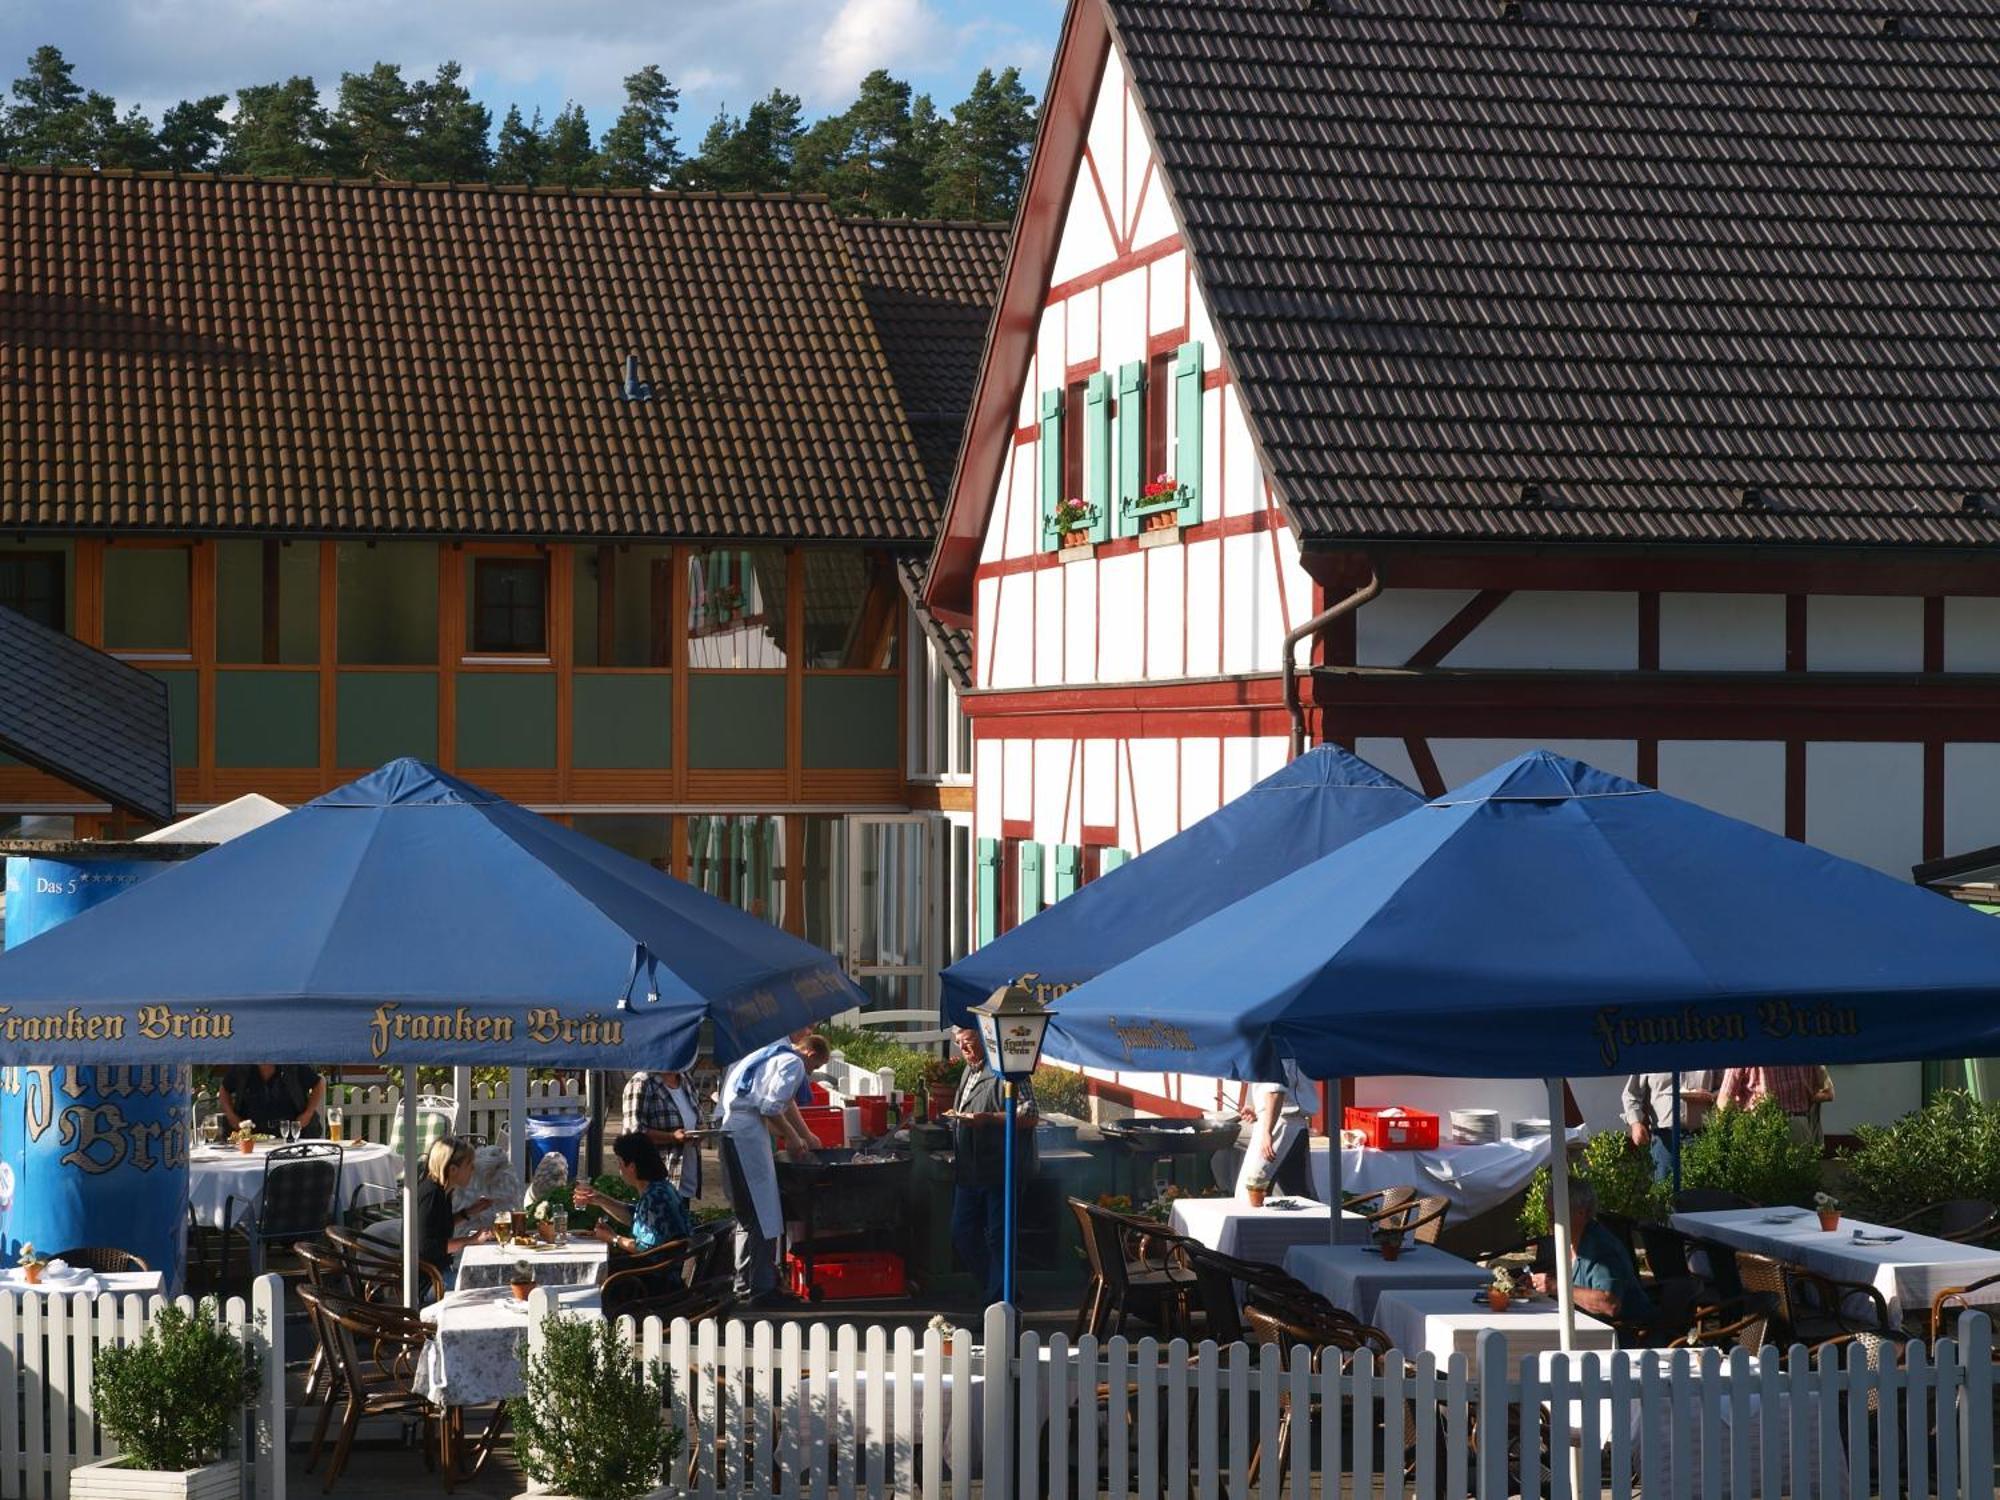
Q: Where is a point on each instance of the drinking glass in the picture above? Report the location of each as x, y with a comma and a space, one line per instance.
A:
559, 1219
336, 1122
503, 1227
211, 1130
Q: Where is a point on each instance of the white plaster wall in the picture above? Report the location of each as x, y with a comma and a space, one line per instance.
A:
1167, 289
1546, 629
1391, 756
1722, 632
1017, 771
1392, 627
1242, 493
1854, 633
1080, 622
1121, 617
1972, 635
1056, 766
1124, 311
1080, 337
1873, 1094
1738, 778
1201, 780
1009, 651
1247, 761
1047, 624
1971, 797
1204, 603
1135, 159
988, 781
1100, 783
1865, 802
1253, 625
1460, 761
1155, 773
1166, 611
1155, 221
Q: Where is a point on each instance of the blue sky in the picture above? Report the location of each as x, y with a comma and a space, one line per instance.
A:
540, 52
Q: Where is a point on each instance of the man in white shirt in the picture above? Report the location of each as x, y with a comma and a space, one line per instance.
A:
760, 1099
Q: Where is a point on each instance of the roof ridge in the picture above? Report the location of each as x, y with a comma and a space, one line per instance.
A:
545, 190
871, 221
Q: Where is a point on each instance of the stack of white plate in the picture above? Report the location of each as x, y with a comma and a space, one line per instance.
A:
1475, 1127
1530, 1127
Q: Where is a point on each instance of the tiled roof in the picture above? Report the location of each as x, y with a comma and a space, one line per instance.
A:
222, 353
930, 288
1598, 270
85, 717
953, 646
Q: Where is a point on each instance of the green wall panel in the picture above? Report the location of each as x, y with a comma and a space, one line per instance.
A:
852, 723
507, 720
736, 722
266, 718
146, 598
622, 723
381, 715
184, 712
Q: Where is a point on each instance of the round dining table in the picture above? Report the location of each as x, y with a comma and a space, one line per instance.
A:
226, 1186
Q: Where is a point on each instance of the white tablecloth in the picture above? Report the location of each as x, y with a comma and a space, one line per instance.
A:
1474, 1178
1232, 1227
581, 1262
93, 1283
1450, 1322
222, 1177
1908, 1272
1352, 1277
478, 1341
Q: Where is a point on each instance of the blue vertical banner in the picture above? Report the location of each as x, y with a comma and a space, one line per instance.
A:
91, 1155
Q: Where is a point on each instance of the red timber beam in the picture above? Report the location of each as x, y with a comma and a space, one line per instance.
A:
1191, 708
1792, 706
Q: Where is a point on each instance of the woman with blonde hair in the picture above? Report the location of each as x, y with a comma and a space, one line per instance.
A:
447, 1169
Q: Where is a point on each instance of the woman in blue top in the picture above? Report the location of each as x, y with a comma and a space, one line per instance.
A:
659, 1215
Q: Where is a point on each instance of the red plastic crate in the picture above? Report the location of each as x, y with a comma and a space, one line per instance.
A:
874, 1112
1394, 1129
847, 1275
827, 1123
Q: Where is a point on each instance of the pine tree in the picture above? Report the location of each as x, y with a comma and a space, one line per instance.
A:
982, 161
870, 159
116, 140
451, 130
374, 124
52, 121
280, 130
193, 134
522, 152
639, 150
571, 162
753, 154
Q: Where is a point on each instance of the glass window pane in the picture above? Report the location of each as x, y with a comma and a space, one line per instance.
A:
853, 607
36, 582
736, 607
388, 603
623, 598
824, 856
622, 721
890, 923
267, 602
506, 606
146, 598
644, 836
736, 723
739, 858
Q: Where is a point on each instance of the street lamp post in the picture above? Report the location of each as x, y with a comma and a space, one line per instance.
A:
1012, 1024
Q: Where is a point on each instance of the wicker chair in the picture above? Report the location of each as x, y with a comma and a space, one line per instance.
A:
1953, 1300
1760, 1280
1156, 1285
661, 1282
1421, 1219
1967, 1221
103, 1259
1384, 1200
374, 1352
1343, 1337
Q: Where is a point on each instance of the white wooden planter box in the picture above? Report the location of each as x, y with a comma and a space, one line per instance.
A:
665, 1492
109, 1479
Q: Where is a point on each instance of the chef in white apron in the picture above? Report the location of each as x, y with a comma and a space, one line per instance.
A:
1278, 1151
761, 1095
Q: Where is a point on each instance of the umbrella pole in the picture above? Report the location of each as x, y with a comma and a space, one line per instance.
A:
410, 1185
1559, 1211
1677, 1132
1336, 1168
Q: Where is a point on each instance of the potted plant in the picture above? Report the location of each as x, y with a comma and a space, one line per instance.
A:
1389, 1242
246, 1137
168, 1403
942, 1327
1159, 507
1501, 1292
31, 1264
592, 1420
521, 1280
1072, 522
1258, 1188
1828, 1208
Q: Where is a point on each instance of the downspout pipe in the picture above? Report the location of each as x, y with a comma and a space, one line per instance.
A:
1309, 631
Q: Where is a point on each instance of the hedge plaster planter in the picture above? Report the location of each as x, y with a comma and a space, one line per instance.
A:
110, 1479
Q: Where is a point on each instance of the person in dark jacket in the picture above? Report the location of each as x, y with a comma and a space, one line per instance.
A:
270, 1094
979, 1149
447, 1169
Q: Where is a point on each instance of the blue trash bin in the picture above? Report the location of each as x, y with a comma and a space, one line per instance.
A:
562, 1134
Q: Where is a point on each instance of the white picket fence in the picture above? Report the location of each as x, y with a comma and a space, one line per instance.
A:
816, 1413
48, 1349
372, 1110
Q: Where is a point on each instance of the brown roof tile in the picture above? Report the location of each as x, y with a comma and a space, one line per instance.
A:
227, 353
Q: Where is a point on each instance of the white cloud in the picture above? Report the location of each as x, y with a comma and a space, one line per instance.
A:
869, 34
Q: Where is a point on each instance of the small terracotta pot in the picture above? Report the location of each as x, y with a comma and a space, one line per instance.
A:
545, 1231
1257, 1196
521, 1289
1498, 1300
1160, 520
1078, 538
1829, 1220
245, 1145
32, 1274
1390, 1248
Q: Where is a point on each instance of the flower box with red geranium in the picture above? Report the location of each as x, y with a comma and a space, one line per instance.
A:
1158, 504
1071, 522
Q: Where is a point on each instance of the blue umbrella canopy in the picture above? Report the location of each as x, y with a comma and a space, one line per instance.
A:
411, 917
1551, 919
1314, 805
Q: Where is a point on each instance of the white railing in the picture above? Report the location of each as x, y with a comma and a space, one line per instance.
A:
850, 1411
48, 1350
372, 1110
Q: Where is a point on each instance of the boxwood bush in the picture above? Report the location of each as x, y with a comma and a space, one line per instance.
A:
1948, 1149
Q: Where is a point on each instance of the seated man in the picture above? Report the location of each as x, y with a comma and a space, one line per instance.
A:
1604, 1277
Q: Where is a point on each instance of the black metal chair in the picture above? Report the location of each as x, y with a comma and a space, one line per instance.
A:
301, 1188
1967, 1221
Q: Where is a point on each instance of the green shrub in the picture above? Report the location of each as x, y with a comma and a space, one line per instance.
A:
1619, 1172
875, 1050
591, 1420
169, 1400
1062, 1091
1948, 1149
1751, 1152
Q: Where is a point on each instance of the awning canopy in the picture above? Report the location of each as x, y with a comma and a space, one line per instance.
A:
411, 917
1314, 805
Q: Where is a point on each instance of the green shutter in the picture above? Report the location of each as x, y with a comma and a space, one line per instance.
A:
1097, 455
1069, 868
1052, 468
986, 890
1132, 474
1111, 859
1187, 428
1031, 881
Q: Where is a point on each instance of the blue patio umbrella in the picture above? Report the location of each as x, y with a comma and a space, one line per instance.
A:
411, 917
1551, 919
1314, 805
